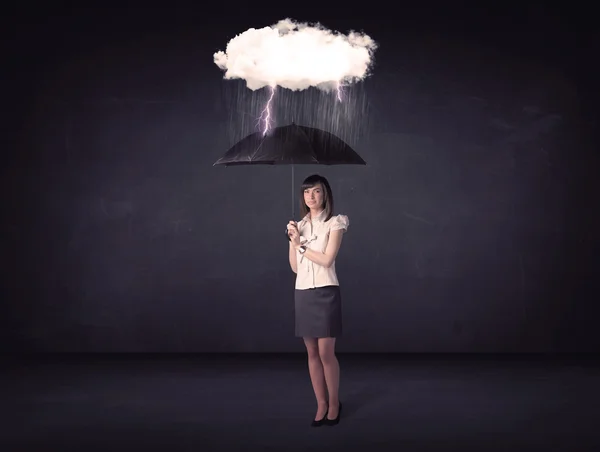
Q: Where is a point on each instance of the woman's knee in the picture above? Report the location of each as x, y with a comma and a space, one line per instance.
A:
312, 347
327, 350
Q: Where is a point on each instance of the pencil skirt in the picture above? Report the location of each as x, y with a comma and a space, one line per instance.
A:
318, 312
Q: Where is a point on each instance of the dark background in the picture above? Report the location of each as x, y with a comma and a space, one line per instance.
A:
473, 228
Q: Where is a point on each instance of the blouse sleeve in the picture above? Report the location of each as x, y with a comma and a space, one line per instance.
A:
340, 222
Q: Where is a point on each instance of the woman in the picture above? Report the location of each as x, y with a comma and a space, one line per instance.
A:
314, 245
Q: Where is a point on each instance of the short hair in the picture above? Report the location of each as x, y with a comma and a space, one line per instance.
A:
310, 182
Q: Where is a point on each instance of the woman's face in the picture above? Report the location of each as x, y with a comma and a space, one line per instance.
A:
313, 197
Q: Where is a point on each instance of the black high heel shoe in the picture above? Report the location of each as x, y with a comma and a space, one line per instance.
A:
332, 422
320, 422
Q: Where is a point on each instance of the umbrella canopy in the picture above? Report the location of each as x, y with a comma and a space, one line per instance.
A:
291, 145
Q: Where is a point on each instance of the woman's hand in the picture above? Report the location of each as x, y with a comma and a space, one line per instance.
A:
293, 233
291, 225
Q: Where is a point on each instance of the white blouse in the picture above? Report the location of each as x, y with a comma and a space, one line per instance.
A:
314, 234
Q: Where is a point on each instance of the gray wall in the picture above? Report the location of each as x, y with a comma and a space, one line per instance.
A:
468, 232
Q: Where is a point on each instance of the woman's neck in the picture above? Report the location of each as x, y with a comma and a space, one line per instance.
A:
315, 213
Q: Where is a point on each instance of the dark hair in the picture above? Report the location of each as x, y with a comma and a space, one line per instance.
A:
310, 182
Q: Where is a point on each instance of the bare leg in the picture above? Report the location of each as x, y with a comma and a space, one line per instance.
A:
317, 377
331, 370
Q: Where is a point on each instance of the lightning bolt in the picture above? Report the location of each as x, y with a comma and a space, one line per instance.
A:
339, 89
265, 119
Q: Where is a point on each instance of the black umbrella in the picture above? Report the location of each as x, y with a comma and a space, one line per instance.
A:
291, 145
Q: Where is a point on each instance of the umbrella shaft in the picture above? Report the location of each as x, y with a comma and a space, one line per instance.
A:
293, 191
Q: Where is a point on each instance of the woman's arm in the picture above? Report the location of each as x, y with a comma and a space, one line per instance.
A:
327, 258
293, 258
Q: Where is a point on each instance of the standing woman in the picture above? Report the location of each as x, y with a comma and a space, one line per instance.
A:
314, 245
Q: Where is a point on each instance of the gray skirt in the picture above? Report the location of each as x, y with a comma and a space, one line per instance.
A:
318, 312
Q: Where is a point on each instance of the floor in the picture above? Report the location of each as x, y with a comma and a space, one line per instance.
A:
391, 403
